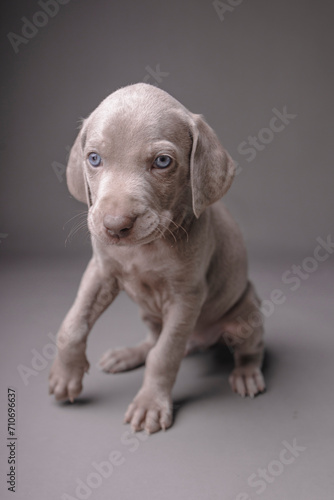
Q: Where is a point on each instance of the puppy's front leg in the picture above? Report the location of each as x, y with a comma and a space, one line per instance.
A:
151, 409
96, 292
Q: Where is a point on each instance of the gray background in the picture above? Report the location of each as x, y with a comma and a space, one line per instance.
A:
263, 55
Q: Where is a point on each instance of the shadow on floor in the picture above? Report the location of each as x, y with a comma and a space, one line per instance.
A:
211, 369
218, 362
81, 401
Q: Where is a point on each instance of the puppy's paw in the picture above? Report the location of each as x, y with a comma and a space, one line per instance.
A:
65, 380
247, 381
150, 412
122, 359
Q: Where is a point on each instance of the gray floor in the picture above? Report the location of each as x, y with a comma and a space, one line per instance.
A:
218, 440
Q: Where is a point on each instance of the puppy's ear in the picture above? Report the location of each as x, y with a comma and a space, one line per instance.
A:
74, 172
211, 167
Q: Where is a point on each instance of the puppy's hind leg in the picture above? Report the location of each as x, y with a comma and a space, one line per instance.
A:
128, 358
243, 331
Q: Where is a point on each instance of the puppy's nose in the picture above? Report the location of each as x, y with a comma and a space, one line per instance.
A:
118, 225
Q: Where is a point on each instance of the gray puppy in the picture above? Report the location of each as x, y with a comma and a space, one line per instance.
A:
152, 175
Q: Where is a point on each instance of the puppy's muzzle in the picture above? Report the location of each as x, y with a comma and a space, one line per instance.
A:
118, 226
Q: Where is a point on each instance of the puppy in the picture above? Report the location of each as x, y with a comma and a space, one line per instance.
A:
152, 174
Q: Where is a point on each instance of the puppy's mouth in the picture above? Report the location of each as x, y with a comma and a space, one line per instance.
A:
131, 240
140, 231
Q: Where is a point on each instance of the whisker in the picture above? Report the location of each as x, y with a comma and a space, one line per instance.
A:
80, 214
79, 224
79, 227
75, 229
161, 232
178, 226
171, 232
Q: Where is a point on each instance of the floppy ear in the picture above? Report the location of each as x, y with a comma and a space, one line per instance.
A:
74, 173
211, 167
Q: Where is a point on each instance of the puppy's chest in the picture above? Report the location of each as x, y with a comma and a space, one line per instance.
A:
148, 284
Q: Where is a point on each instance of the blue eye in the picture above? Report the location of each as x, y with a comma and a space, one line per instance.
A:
162, 161
94, 159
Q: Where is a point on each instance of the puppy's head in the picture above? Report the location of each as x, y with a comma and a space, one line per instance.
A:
142, 162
